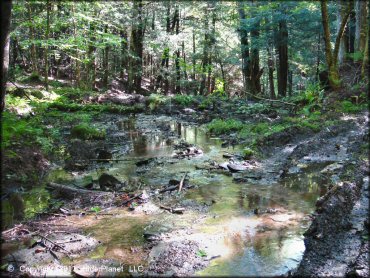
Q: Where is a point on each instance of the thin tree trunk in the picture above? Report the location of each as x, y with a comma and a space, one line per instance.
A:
32, 37
205, 54
193, 57
106, 62
271, 73
46, 50
5, 15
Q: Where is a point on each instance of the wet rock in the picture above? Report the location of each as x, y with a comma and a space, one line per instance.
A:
109, 182
189, 110
233, 167
104, 154
145, 162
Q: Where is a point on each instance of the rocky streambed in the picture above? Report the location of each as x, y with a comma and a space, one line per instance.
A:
160, 196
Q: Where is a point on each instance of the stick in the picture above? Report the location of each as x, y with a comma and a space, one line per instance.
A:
172, 210
52, 242
182, 182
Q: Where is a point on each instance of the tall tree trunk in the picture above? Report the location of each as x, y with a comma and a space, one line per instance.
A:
77, 58
32, 37
193, 57
212, 41
318, 57
246, 71
106, 62
332, 56
343, 46
46, 50
205, 53
282, 50
176, 23
136, 48
361, 24
91, 67
365, 61
271, 73
5, 14
255, 74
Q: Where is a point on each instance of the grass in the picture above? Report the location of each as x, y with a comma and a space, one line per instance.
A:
218, 126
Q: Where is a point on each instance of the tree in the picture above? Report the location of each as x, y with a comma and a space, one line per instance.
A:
282, 51
332, 55
5, 14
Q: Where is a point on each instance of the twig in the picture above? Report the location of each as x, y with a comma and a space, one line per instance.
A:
182, 182
69, 241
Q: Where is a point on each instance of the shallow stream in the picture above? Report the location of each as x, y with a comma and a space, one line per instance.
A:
248, 244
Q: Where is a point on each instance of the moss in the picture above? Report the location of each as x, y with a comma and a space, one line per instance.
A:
85, 132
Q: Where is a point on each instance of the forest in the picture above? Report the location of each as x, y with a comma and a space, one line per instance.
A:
184, 138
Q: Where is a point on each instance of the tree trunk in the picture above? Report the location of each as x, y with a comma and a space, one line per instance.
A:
332, 56
46, 50
5, 14
361, 20
32, 37
282, 49
91, 66
246, 71
137, 36
255, 73
176, 22
193, 57
106, 62
205, 54
271, 73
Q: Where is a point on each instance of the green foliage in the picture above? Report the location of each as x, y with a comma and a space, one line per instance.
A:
201, 253
86, 132
254, 108
184, 100
96, 209
155, 100
357, 56
347, 106
247, 153
218, 126
206, 103
15, 129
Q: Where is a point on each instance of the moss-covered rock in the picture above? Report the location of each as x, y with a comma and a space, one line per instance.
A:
85, 132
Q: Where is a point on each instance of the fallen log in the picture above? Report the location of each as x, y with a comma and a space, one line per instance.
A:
71, 192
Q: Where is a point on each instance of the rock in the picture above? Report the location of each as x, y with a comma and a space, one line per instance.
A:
236, 167
332, 168
145, 162
224, 165
189, 111
104, 154
107, 182
227, 155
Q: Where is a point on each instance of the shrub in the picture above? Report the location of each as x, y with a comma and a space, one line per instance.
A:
183, 100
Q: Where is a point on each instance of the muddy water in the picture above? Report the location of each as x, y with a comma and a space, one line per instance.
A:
248, 244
